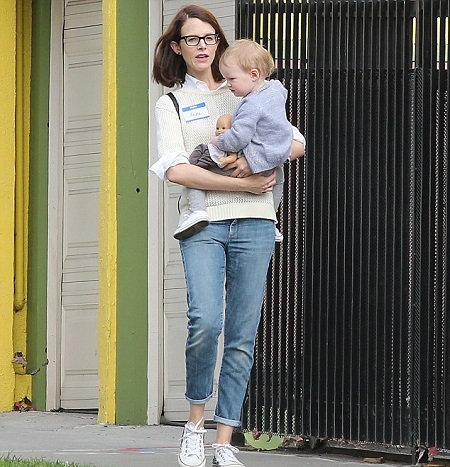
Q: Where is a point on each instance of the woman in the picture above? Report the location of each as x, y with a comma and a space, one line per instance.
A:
233, 250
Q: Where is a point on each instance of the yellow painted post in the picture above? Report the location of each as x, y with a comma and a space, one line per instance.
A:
23, 73
107, 341
7, 157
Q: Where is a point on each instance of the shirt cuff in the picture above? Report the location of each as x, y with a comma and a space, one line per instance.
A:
164, 163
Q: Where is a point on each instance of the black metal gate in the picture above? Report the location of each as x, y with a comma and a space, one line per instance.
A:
354, 339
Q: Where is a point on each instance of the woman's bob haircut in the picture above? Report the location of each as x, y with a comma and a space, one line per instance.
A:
169, 69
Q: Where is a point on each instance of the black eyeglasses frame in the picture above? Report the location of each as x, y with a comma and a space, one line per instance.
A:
199, 38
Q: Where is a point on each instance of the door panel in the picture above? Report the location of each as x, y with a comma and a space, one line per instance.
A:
81, 183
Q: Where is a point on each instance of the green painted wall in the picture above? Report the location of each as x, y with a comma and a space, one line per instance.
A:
132, 175
37, 262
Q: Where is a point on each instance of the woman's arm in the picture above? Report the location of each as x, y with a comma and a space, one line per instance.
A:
241, 168
298, 144
297, 150
193, 176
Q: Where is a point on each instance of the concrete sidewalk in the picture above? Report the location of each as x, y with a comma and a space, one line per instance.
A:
79, 438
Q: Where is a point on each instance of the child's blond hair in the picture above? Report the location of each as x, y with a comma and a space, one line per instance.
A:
249, 55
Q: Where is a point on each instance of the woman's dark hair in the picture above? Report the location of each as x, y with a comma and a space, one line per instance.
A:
169, 68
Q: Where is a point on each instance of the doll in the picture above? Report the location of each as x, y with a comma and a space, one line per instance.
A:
209, 156
224, 123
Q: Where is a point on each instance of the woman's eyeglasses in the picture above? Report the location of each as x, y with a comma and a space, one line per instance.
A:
192, 41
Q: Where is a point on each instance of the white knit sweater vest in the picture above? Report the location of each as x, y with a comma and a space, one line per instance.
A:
175, 135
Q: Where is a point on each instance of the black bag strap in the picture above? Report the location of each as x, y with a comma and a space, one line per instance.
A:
175, 103
177, 108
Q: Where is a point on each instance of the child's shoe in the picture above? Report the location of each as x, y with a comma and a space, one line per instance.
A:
278, 236
190, 223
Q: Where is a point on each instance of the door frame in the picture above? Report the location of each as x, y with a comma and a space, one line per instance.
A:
155, 370
55, 207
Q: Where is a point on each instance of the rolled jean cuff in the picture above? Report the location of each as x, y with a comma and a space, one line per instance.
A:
198, 402
226, 421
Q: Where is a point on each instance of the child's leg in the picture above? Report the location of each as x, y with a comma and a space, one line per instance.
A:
278, 188
194, 218
277, 196
196, 199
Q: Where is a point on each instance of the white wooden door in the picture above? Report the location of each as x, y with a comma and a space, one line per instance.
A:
82, 51
175, 406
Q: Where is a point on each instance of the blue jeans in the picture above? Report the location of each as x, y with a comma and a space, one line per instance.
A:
235, 253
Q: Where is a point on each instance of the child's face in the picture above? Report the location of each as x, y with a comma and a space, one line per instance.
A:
239, 81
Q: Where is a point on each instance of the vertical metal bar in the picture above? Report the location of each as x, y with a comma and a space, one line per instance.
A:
445, 371
304, 75
325, 323
429, 188
415, 242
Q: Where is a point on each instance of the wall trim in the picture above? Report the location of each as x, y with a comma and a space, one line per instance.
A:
155, 246
55, 208
132, 211
107, 313
38, 201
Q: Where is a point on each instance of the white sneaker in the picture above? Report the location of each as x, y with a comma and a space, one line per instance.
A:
192, 449
224, 456
278, 236
190, 223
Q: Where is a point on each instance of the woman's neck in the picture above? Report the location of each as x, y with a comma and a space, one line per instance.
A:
214, 85
208, 79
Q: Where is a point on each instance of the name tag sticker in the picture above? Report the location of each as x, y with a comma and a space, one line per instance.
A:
195, 112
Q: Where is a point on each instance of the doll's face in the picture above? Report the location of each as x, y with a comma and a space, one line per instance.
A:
223, 123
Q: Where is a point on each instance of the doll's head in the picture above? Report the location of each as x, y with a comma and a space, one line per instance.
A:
223, 123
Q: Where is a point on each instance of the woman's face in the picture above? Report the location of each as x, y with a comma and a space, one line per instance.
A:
198, 58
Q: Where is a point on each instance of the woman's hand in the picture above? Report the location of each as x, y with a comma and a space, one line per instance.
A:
253, 183
259, 183
240, 168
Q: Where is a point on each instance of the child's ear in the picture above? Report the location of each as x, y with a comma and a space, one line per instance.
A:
255, 74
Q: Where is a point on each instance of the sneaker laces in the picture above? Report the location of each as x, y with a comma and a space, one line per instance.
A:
186, 214
192, 439
225, 452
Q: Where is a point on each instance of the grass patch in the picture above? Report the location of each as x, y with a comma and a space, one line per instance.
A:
15, 462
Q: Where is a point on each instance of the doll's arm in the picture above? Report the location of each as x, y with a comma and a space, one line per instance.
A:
229, 158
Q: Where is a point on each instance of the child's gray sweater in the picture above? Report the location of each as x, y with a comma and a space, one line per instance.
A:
260, 128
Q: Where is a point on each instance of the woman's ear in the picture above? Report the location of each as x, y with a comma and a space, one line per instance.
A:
175, 47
